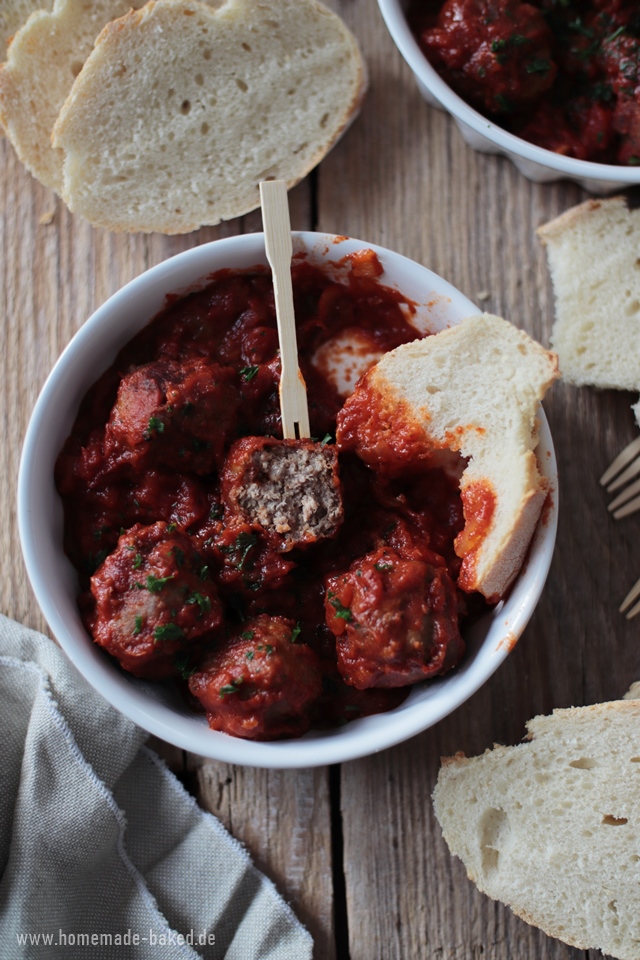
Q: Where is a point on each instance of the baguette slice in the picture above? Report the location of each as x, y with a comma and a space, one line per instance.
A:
552, 827
475, 389
594, 259
15, 13
43, 60
181, 110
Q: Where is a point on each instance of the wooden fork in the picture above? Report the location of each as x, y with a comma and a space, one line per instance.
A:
625, 467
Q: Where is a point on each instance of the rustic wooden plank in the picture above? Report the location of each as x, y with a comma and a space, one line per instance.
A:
404, 178
282, 817
55, 271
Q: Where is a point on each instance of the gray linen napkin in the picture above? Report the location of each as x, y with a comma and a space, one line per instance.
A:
102, 852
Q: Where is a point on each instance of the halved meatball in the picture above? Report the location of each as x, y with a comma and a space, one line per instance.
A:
262, 683
151, 601
395, 620
290, 488
178, 415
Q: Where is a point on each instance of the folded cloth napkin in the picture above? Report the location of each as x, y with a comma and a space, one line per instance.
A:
102, 852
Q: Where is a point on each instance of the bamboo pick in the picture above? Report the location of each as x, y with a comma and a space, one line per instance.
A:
294, 411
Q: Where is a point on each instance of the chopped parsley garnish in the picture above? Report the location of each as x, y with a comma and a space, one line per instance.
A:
504, 103
497, 45
295, 633
199, 444
204, 572
341, 611
137, 561
383, 566
268, 649
171, 527
248, 373
156, 584
242, 545
248, 634
615, 35
155, 425
169, 631
138, 627
184, 668
634, 161
216, 512
579, 27
538, 66
203, 602
179, 555
250, 654
326, 439
231, 687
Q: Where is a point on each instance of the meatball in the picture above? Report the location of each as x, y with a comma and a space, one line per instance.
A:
395, 620
262, 683
150, 600
496, 53
176, 415
290, 488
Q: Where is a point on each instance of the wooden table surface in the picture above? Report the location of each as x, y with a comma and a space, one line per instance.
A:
356, 848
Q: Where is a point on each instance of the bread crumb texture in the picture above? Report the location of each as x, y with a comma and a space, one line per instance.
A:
552, 826
15, 13
593, 252
44, 58
475, 388
182, 109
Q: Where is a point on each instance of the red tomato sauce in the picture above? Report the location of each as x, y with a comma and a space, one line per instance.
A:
563, 74
266, 637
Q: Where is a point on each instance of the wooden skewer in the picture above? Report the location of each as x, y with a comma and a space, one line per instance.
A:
294, 410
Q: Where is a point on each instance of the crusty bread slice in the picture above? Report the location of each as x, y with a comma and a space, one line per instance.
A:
181, 110
15, 13
475, 389
43, 60
552, 827
594, 259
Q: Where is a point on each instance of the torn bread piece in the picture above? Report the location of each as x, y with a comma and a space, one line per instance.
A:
551, 827
43, 60
181, 110
473, 389
593, 252
14, 14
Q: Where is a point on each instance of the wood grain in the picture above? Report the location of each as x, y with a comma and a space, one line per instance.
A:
373, 881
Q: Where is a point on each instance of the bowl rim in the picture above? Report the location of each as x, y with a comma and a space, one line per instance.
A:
394, 17
130, 696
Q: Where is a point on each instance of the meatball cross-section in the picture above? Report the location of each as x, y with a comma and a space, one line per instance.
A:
290, 488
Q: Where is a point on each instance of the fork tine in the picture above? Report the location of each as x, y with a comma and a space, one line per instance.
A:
626, 494
633, 594
628, 509
632, 470
633, 612
623, 458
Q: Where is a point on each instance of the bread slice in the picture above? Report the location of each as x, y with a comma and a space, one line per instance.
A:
474, 389
44, 58
552, 827
181, 110
594, 258
15, 13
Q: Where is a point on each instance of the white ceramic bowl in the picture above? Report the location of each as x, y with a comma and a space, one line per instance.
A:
159, 708
534, 162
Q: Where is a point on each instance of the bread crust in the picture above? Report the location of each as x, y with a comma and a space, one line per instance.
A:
423, 397
504, 814
85, 99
